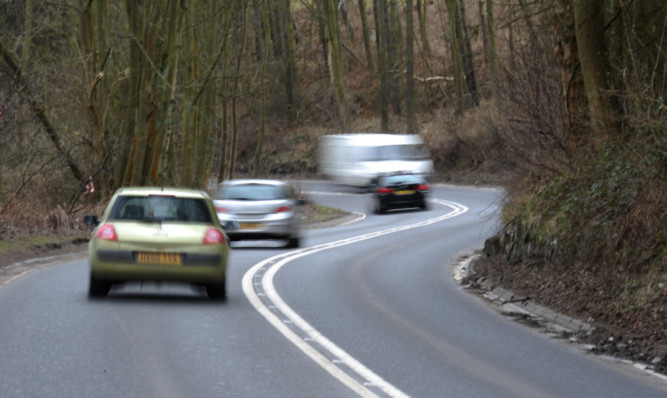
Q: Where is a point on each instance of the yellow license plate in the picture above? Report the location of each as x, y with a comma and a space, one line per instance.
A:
159, 258
249, 226
405, 192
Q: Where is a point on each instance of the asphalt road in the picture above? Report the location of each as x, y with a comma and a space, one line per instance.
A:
362, 309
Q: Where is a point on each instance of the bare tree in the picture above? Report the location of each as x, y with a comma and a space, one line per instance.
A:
603, 104
409, 70
335, 62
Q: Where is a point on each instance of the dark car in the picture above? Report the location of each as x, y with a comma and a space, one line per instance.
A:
399, 190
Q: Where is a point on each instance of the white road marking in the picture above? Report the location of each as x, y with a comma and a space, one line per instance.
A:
320, 349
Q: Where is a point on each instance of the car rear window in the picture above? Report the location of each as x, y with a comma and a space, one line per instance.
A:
403, 179
253, 192
161, 208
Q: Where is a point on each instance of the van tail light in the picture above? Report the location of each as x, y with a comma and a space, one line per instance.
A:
106, 232
284, 209
385, 190
213, 237
423, 187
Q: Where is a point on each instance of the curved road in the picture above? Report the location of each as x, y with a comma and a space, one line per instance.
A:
368, 308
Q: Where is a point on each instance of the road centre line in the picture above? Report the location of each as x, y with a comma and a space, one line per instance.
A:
293, 327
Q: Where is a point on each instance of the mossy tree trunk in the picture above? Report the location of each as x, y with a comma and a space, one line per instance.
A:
335, 63
381, 34
266, 28
409, 70
365, 32
602, 103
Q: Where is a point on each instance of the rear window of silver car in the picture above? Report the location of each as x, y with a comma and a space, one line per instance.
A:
161, 208
253, 192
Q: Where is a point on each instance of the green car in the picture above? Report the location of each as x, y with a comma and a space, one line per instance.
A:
154, 234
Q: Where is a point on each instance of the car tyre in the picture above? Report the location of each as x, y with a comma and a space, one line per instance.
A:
98, 288
379, 209
293, 242
217, 291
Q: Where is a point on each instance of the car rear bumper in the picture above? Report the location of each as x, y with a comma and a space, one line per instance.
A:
264, 230
122, 266
402, 201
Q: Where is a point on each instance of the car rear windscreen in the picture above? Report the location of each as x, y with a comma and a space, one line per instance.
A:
161, 208
254, 192
405, 179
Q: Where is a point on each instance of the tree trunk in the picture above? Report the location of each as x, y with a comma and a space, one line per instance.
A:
490, 54
262, 92
380, 12
291, 70
468, 56
395, 55
410, 70
243, 7
421, 15
572, 82
365, 31
602, 104
335, 62
40, 112
457, 57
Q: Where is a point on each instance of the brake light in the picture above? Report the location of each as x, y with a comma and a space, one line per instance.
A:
106, 232
283, 209
220, 209
213, 237
423, 187
385, 190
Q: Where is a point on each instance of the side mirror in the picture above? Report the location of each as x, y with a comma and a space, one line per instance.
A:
90, 220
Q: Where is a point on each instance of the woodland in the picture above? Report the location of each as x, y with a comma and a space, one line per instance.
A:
563, 103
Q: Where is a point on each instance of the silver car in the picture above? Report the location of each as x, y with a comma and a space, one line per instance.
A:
264, 209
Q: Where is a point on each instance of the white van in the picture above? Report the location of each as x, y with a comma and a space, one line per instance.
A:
354, 159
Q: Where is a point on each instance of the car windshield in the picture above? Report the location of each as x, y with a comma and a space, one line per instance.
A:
161, 208
254, 192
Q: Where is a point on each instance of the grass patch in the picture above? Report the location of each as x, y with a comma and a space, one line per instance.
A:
317, 213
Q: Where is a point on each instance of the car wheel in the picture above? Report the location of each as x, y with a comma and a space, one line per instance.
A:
379, 209
293, 242
98, 287
217, 291
423, 205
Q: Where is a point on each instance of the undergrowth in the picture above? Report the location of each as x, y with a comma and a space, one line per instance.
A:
596, 234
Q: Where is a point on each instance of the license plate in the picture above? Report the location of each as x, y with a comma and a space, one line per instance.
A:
159, 258
405, 192
247, 226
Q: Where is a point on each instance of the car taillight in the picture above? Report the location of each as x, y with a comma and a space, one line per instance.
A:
283, 209
385, 190
220, 209
213, 237
106, 232
423, 187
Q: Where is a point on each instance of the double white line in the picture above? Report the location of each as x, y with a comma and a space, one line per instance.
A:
258, 287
